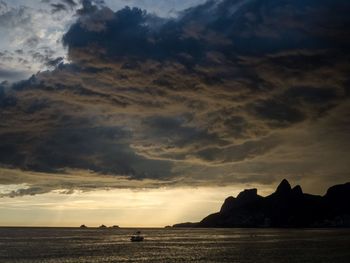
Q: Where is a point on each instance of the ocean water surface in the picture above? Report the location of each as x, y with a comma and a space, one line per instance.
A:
73, 245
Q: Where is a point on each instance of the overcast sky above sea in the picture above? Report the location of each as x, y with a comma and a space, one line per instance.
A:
102, 99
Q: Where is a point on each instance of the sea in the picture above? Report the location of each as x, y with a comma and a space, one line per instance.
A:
74, 245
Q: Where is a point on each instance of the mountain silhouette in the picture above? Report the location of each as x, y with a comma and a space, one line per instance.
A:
286, 207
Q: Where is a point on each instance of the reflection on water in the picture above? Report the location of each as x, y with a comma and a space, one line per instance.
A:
174, 245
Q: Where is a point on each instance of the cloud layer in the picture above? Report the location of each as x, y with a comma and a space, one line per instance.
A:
227, 92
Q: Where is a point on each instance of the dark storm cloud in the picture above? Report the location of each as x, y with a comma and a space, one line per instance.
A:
240, 152
124, 34
278, 112
228, 92
107, 152
310, 94
244, 27
10, 74
174, 129
67, 142
5, 99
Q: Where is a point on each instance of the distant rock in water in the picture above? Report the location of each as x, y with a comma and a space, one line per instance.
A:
102, 226
83, 226
286, 207
188, 224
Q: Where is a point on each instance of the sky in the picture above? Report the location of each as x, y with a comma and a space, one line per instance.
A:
116, 111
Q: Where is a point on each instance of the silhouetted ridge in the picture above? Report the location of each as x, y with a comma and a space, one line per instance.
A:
338, 191
284, 187
228, 204
297, 190
248, 194
286, 207
247, 197
338, 199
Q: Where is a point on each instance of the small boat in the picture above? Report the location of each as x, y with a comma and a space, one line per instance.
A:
137, 237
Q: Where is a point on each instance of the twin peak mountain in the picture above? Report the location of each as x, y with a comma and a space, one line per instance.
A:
286, 207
